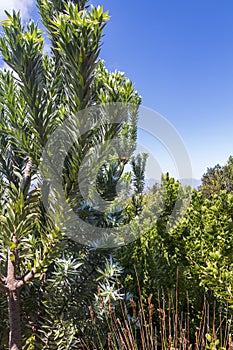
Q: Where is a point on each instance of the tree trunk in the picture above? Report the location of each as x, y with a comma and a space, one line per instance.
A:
11, 285
13, 293
15, 338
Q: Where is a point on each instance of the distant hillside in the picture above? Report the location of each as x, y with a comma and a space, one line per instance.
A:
194, 183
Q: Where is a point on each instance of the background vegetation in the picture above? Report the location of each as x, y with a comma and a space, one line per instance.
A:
171, 287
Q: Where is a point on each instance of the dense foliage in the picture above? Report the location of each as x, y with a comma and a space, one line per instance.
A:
36, 96
64, 294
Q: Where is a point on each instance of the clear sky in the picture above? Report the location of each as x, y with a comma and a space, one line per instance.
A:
179, 54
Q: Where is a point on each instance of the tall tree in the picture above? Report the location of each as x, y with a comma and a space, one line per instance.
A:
42, 93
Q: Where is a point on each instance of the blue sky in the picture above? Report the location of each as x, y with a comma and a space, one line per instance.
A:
179, 55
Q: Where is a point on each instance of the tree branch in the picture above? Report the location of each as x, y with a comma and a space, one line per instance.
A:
26, 278
3, 279
27, 176
3, 287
